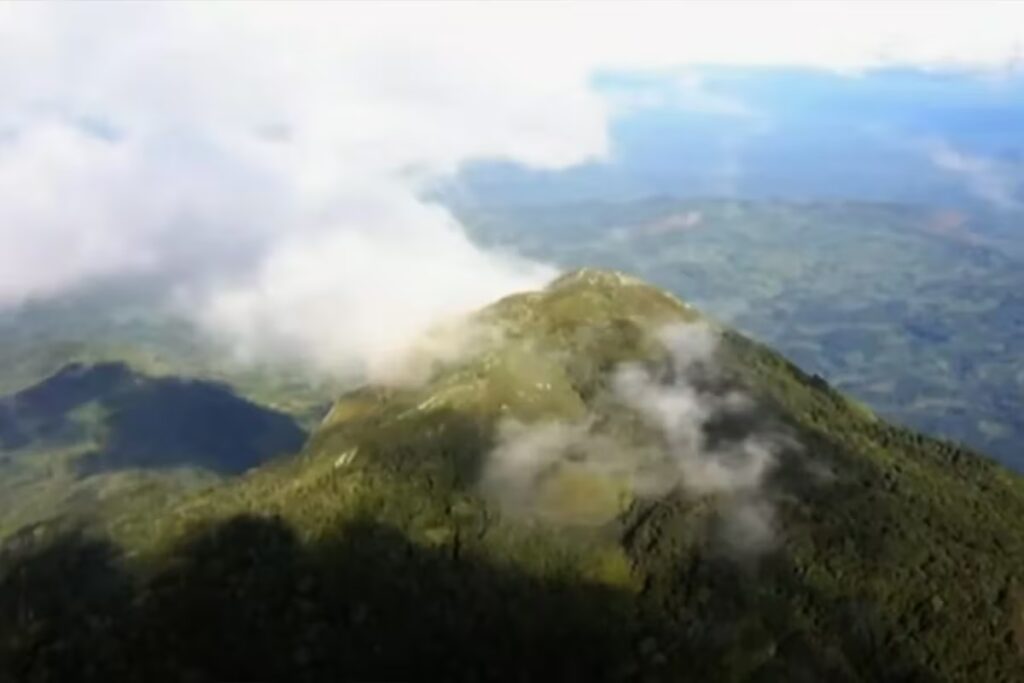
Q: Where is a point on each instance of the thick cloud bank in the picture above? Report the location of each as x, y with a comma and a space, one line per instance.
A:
270, 157
271, 160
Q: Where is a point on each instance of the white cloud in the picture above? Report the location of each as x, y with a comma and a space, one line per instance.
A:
274, 151
685, 91
682, 410
988, 179
352, 295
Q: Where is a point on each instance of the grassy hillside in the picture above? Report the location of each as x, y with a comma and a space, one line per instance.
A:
541, 508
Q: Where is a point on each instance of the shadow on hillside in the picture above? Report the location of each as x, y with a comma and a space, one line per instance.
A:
146, 421
245, 600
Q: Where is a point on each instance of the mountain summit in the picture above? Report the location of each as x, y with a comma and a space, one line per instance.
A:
591, 481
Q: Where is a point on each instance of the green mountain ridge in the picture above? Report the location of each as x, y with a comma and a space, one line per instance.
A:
915, 310
603, 485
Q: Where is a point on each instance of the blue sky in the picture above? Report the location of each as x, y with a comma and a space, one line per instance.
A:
914, 135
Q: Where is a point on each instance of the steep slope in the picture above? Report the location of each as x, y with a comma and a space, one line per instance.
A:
590, 481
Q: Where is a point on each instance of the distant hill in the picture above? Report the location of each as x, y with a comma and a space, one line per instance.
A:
108, 426
128, 320
147, 422
604, 485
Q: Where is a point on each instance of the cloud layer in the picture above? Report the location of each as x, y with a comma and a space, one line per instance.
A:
271, 157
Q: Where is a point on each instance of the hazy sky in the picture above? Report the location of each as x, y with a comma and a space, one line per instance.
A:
275, 153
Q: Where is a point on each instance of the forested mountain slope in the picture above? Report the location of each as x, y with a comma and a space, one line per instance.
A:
588, 482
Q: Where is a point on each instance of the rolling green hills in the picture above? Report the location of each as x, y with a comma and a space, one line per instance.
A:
604, 485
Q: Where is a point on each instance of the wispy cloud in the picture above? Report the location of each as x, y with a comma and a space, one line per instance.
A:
594, 468
988, 179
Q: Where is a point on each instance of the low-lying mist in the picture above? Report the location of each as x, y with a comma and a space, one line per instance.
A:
659, 431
